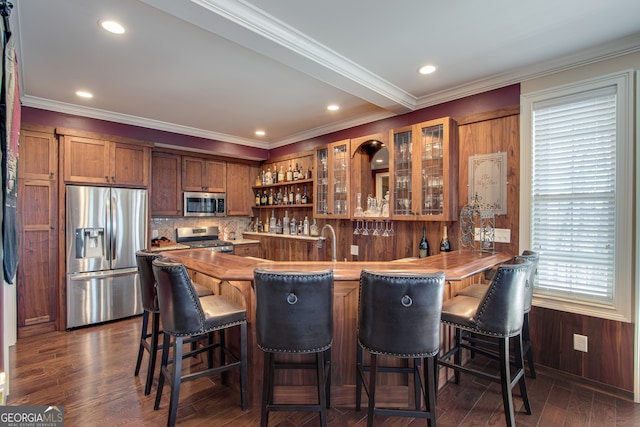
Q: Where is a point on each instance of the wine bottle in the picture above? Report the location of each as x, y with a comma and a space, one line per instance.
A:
423, 247
445, 246
258, 198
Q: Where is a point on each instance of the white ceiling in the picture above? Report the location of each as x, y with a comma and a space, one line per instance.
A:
221, 69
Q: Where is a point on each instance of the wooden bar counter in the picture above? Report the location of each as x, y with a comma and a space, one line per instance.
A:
232, 276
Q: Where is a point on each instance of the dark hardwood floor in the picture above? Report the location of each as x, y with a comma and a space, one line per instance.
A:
90, 372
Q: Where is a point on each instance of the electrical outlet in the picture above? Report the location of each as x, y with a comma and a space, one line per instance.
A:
580, 342
503, 235
354, 250
154, 234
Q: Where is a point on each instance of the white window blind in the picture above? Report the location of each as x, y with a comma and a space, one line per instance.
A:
573, 194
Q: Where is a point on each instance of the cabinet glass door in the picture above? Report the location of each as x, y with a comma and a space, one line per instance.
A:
402, 192
432, 170
339, 182
321, 192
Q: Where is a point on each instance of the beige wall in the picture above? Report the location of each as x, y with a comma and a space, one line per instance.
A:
626, 62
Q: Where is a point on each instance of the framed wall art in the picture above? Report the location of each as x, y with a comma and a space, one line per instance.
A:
488, 180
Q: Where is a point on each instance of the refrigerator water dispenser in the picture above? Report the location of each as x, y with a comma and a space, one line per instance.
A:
90, 242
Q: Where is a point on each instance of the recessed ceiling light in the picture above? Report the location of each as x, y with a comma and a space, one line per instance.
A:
427, 69
260, 133
111, 26
333, 107
84, 94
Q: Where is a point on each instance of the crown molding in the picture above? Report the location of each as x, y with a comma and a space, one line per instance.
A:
625, 46
94, 113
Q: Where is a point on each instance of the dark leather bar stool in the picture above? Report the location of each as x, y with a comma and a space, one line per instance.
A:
498, 314
149, 339
294, 315
479, 290
399, 316
185, 315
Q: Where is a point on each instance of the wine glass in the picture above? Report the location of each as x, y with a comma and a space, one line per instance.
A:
365, 231
357, 229
376, 232
386, 229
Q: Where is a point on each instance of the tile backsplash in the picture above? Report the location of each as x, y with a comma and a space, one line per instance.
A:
166, 227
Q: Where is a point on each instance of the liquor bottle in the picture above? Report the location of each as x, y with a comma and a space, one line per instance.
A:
313, 229
298, 197
423, 247
270, 199
266, 224
279, 197
305, 226
293, 227
258, 198
264, 182
295, 173
285, 196
279, 227
304, 199
272, 222
268, 177
275, 175
292, 196
445, 246
289, 174
264, 199
285, 223
281, 175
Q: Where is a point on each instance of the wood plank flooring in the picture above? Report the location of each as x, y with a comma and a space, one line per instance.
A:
90, 372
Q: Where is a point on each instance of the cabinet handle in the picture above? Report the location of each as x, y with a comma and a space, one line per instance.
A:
106, 178
51, 175
113, 179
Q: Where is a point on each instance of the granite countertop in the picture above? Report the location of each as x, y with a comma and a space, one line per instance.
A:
243, 241
285, 236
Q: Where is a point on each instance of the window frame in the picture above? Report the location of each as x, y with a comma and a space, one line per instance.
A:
621, 308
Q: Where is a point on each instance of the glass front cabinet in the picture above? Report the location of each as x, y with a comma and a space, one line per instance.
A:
332, 180
423, 171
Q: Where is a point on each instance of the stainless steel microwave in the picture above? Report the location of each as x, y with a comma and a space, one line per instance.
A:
204, 204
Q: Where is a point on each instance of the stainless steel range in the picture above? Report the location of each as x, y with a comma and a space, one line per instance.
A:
203, 238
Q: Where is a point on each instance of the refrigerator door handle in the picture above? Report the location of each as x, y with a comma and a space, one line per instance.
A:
107, 220
114, 226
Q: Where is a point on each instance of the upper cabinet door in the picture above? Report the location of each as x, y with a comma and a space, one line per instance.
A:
166, 184
86, 160
424, 171
130, 164
98, 161
203, 175
239, 200
38, 155
332, 180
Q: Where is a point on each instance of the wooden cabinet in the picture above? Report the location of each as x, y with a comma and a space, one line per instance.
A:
331, 190
239, 200
101, 161
423, 168
166, 184
247, 249
204, 175
37, 277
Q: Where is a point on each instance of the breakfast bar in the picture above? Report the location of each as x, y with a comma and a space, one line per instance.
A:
232, 276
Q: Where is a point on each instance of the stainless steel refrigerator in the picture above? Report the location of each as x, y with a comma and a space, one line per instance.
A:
105, 228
